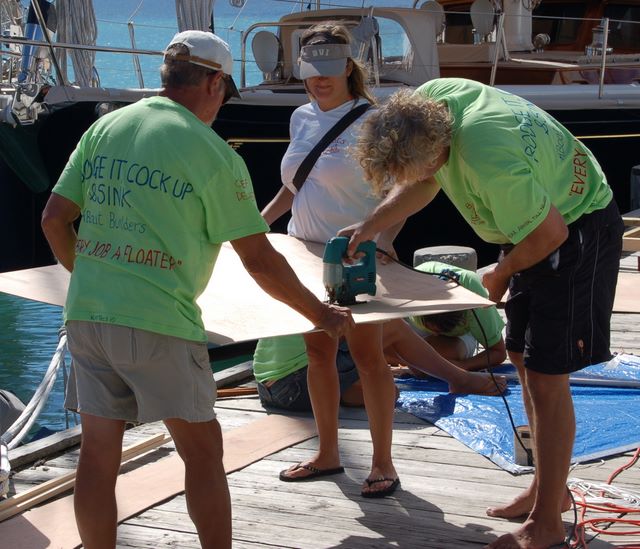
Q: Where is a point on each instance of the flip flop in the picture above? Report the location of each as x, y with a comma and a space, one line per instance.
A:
395, 482
314, 472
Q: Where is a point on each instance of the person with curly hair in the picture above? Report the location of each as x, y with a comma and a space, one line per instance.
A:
523, 181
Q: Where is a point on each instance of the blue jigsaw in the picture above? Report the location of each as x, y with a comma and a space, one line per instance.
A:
344, 281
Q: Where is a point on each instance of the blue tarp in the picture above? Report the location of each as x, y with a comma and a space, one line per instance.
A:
607, 416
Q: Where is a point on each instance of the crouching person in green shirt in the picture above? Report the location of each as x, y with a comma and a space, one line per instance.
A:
457, 335
280, 368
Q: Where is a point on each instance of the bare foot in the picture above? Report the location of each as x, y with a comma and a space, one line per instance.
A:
522, 505
479, 383
531, 535
400, 371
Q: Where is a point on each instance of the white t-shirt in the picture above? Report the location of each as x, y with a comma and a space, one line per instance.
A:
335, 193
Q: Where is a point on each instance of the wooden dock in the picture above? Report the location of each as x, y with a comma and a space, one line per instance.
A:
441, 504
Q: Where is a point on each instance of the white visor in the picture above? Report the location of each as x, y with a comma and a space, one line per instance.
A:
323, 60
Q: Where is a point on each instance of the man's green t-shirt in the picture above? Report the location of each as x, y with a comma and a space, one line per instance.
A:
159, 192
488, 319
277, 357
510, 161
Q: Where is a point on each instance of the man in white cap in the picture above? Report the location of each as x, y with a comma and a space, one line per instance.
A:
159, 192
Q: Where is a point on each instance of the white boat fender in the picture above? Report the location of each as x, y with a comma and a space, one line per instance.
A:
5, 469
10, 409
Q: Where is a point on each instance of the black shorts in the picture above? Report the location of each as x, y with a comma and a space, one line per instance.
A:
559, 310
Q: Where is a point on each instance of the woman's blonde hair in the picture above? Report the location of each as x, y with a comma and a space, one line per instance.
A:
335, 33
399, 138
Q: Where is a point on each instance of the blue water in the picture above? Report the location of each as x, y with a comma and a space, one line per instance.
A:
28, 330
155, 24
28, 339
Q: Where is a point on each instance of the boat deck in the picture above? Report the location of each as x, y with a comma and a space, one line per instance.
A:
441, 504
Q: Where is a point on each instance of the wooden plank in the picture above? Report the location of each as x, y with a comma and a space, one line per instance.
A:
234, 392
631, 240
400, 292
445, 488
630, 220
53, 524
627, 298
47, 446
234, 375
234, 308
19, 503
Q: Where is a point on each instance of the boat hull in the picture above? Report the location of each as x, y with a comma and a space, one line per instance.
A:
260, 134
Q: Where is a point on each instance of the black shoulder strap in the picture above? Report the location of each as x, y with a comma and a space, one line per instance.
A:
334, 131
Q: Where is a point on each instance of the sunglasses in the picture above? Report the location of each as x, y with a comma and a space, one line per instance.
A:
228, 88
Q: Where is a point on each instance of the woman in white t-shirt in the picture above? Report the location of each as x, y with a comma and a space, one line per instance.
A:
334, 196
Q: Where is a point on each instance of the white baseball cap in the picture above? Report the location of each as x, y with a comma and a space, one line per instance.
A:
323, 60
209, 51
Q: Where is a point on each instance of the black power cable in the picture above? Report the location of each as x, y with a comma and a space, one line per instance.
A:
501, 393
484, 335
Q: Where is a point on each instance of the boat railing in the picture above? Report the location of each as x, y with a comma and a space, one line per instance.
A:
598, 52
603, 64
64, 45
270, 24
33, 63
23, 108
243, 42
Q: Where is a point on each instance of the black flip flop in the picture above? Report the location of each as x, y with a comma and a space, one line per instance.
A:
314, 472
395, 482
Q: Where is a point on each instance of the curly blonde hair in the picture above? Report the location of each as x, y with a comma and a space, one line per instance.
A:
407, 132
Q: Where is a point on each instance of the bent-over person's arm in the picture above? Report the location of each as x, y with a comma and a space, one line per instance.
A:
540, 243
402, 201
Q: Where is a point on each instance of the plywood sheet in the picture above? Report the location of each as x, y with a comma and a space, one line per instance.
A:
631, 240
53, 525
627, 293
234, 308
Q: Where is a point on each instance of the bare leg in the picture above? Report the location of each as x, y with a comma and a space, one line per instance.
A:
411, 349
554, 432
365, 345
94, 495
451, 348
523, 503
352, 396
208, 501
324, 392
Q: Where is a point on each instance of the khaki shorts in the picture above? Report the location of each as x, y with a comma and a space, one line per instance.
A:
126, 373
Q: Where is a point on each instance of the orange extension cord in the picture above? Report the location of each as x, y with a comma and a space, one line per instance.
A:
594, 524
